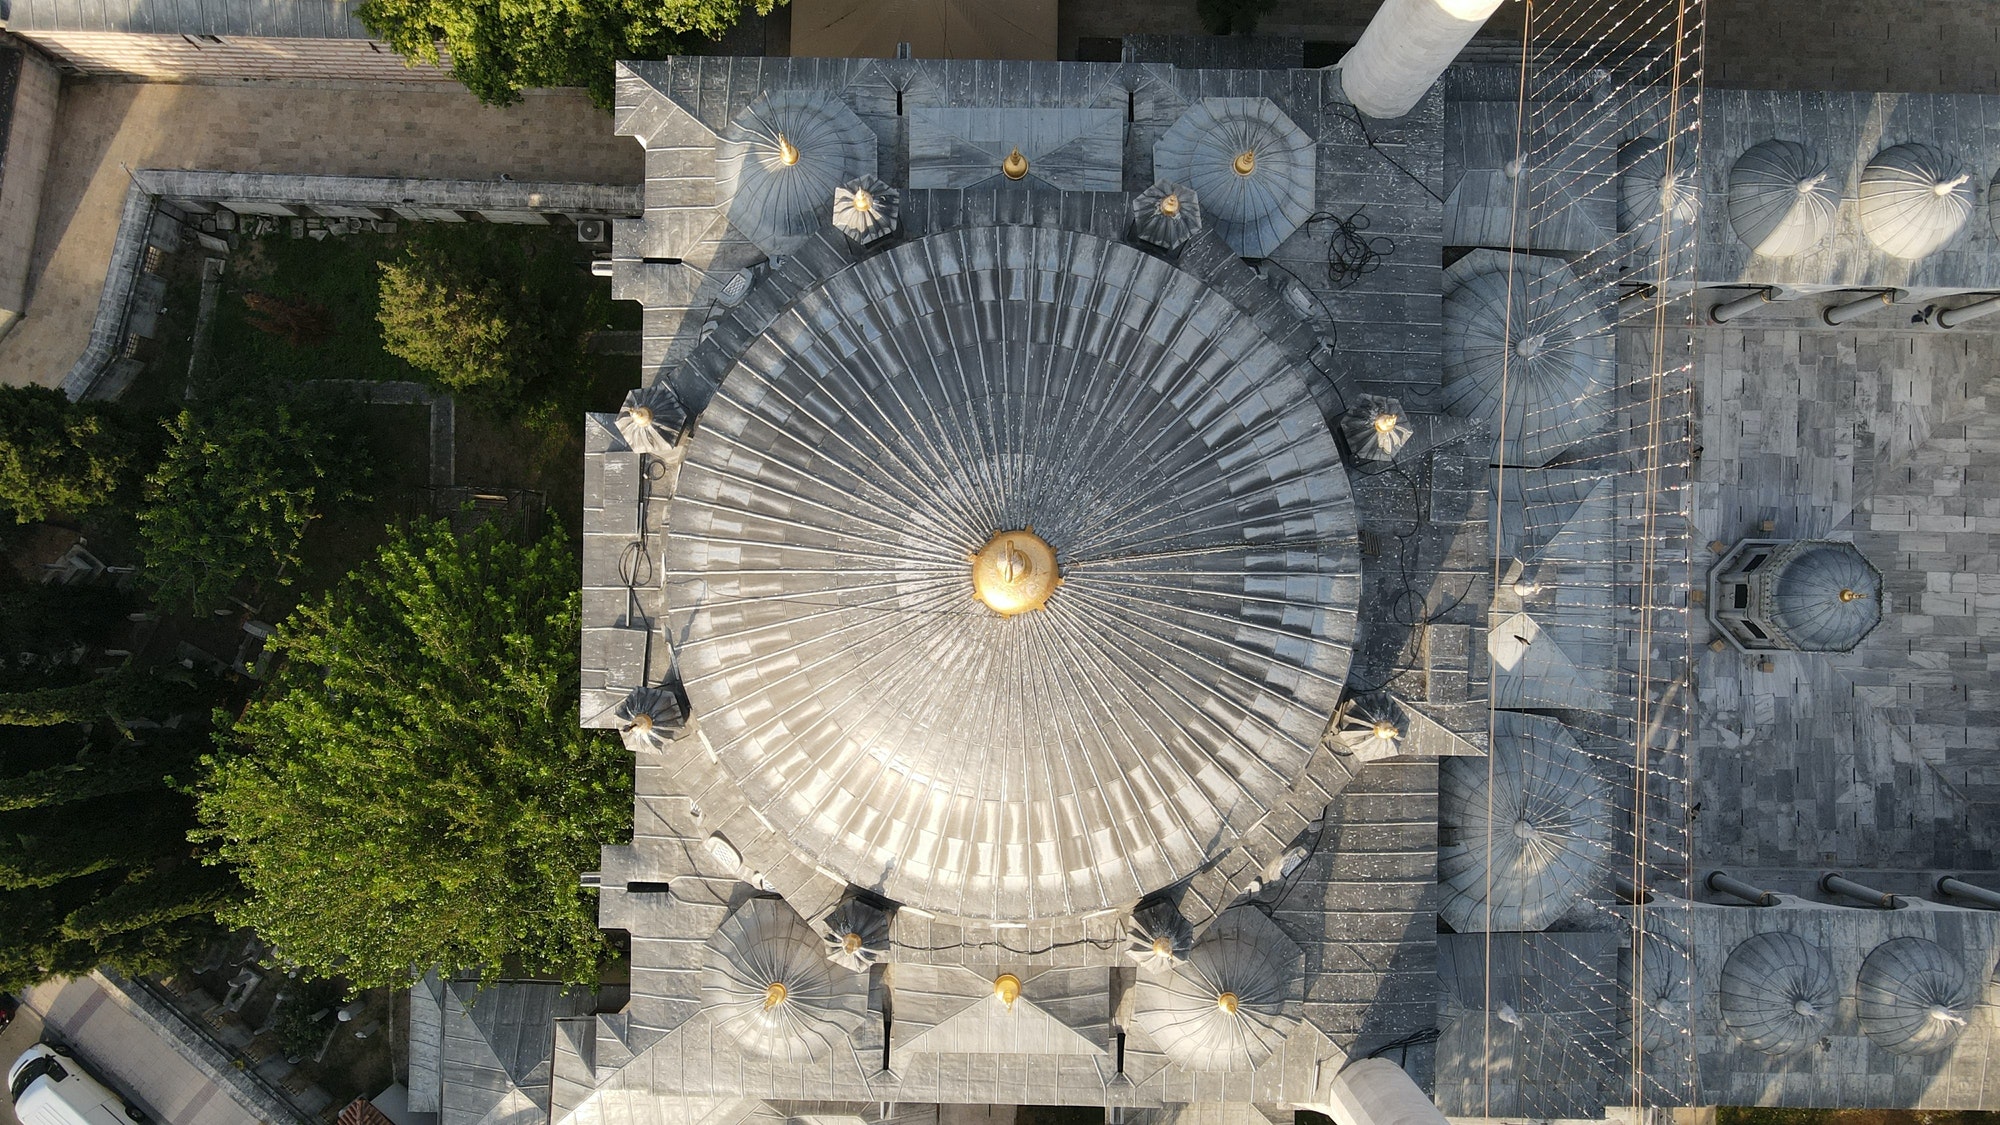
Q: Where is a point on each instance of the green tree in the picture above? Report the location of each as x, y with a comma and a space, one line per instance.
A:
414, 788
485, 311
58, 456
499, 48
235, 491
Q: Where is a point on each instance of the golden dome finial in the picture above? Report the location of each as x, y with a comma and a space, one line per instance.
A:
1386, 731
1171, 205
863, 201
1007, 987
1015, 166
852, 942
1246, 162
1386, 423
1015, 572
1851, 595
788, 153
1227, 1002
775, 994
642, 722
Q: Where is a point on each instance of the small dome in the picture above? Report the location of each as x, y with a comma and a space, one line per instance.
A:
1375, 428
1159, 937
1649, 190
768, 986
1782, 199
1825, 596
1914, 996
1662, 981
649, 718
1166, 215
855, 936
1233, 1002
1778, 993
866, 209
1252, 167
1548, 344
652, 420
781, 159
1914, 199
1533, 842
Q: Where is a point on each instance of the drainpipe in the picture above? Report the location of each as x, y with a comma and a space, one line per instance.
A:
1722, 883
1730, 310
1837, 315
1952, 318
1834, 883
1959, 888
1404, 49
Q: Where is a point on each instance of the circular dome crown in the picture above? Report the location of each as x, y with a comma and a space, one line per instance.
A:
1782, 199
1252, 167
1914, 199
1547, 348
1534, 838
1778, 993
768, 985
1824, 596
1231, 1004
1662, 983
836, 496
1914, 996
1649, 191
780, 161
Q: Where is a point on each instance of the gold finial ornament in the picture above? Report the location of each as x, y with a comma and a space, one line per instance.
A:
863, 201
1386, 731
1227, 1002
1171, 205
1246, 162
1162, 945
1015, 572
642, 722
775, 994
1386, 423
1015, 166
1007, 987
788, 153
1851, 595
643, 413
852, 942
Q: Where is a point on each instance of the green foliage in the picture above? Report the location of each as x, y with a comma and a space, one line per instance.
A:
486, 312
302, 1021
58, 456
1232, 17
499, 48
414, 789
235, 491
126, 694
151, 901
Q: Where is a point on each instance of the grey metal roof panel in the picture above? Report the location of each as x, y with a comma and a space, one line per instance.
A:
286, 19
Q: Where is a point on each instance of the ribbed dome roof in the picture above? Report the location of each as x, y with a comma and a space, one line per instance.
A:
1778, 993
855, 936
1166, 215
1252, 167
1548, 349
1782, 198
1534, 838
1067, 759
1159, 937
652, 419
1231, 1004
1648, 190
1914, 996
1662, 981
780, 161
866, 209
768, 986
1824, 597
1914, 199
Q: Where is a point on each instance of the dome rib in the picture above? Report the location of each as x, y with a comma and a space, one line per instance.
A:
780, 160
1782, 198
1067, 759
1914, 996
768, 986
1778, 993
1914, 200
1534, 840
1648, 192
1824, 597
1233, 1002
1253, 167
1663, 984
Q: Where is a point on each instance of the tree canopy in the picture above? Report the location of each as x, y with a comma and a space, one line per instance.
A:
414, 788
58, 456
499, 48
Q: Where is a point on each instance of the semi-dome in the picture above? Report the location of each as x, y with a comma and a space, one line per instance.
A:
1914, 199
1778, 993
767, 985
1253, 168
780, 160
652, 420
1375, 428
1662, 983
1158, 937
1231, 1004
855, 936
649, 718
1525, 831
1825, 596
1914, 996
1166, 215
927, 447
1659, 181
1528, 331
866, 209
1782, 198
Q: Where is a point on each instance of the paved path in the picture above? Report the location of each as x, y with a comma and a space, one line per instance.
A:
429, 130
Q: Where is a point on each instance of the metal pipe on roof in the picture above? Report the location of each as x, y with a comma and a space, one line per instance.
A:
1959, 888
1721, 882
1834, 883
1628, 891
1730, 310
1840, 314
1952, 318
1404, 49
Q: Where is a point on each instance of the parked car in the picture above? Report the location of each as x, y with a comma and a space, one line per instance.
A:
49, 1087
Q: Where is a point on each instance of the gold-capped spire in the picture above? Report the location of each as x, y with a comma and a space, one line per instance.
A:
1015, 166
852, 942
863, 202
1007, 987
1386, 423
1171, 205
1246, 162
1851, 595
1162, 945
788, 153
1227, 1002
775, 994
1015, 572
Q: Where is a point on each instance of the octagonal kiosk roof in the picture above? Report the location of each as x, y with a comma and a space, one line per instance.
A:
1253, 168
780, 160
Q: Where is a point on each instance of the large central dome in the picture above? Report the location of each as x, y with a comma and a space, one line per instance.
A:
861, 459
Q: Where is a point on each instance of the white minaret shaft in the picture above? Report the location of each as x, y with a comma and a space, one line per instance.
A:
1404, 50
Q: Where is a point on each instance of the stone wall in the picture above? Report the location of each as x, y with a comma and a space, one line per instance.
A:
186, 57
29, 89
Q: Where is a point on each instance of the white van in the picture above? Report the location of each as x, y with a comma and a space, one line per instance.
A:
49, 1088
